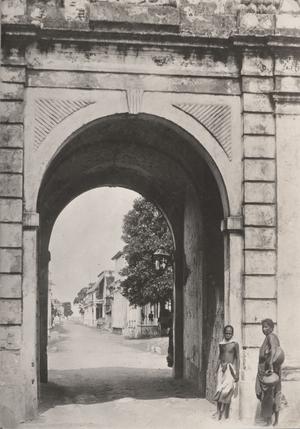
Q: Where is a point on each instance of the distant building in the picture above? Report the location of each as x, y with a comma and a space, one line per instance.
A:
131, 321
96, 305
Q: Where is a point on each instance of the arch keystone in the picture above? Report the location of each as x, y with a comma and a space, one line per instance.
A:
134, 100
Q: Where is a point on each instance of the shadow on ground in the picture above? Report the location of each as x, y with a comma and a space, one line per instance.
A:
98, 385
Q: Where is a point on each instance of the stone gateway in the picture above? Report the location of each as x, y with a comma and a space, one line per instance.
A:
195, 105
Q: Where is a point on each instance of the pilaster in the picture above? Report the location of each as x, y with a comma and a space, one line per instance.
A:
11, 240
260, 213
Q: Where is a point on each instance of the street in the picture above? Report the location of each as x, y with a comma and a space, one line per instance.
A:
101, 380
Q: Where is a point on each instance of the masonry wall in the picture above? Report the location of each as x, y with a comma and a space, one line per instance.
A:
266, 80
11, 236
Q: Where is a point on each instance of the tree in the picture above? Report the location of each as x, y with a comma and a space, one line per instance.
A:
144, 231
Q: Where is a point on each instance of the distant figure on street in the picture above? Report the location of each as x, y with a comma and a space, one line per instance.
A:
268, 380
227, 372
150, 317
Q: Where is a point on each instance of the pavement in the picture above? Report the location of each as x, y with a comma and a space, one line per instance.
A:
104, 381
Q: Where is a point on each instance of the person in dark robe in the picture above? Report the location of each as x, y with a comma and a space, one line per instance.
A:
270, 359
227, 372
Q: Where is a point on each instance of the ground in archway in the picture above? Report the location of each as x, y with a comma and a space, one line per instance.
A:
101, 380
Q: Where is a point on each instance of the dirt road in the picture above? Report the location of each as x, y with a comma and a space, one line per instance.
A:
101, 380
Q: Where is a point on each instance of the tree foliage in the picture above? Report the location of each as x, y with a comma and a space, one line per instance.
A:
145, 230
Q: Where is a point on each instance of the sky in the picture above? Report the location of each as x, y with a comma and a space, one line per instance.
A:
86, 235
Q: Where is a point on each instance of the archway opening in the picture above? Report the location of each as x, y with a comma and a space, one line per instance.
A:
168, 167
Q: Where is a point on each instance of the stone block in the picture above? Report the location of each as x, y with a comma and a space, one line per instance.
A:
260, 238
287, 84
13, 10
257, 103
259, 123
259, 146
10, 338
10, 210
10, 286
249, 364
253, 336
11, 135
10, 311
257, 310
287, 65
259, 215
11, 91
257, 169
257, 65
10, 235
11, 111
288, 24
11, 160
258, 192
137, 14
13, 74
11, 185
10, 260
257, 84
157, 83
256, 24
260, 262
260, 286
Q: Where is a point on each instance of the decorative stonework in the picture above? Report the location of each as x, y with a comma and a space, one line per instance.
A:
49, 112
260, 6
216, 118
134, 100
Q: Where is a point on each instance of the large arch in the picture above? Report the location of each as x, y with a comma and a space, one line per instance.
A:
176, 163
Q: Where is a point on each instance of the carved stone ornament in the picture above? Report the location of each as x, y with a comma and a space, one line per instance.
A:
216, 118
260, 6
134, 100
49, 112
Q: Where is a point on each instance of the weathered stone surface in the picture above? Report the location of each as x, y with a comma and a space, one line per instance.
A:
88, 80
249, 364
11, 91
257, 84
150, 60
256, 169
11, 185
287, 65
260, 286
13, 74
287, 83
257, 65
141, 13
13, 10
253, 336
259, 215
256, 24
259, 123
257, 103
11, 160
259, 146
288, 24
260, 192
10, 337
10, 235
257, 310
10, 210
11, 135
10, 286
10, 260
260, 238
11, 111
260, 262
10, 311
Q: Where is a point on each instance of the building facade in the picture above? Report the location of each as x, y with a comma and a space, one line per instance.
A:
206, 99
